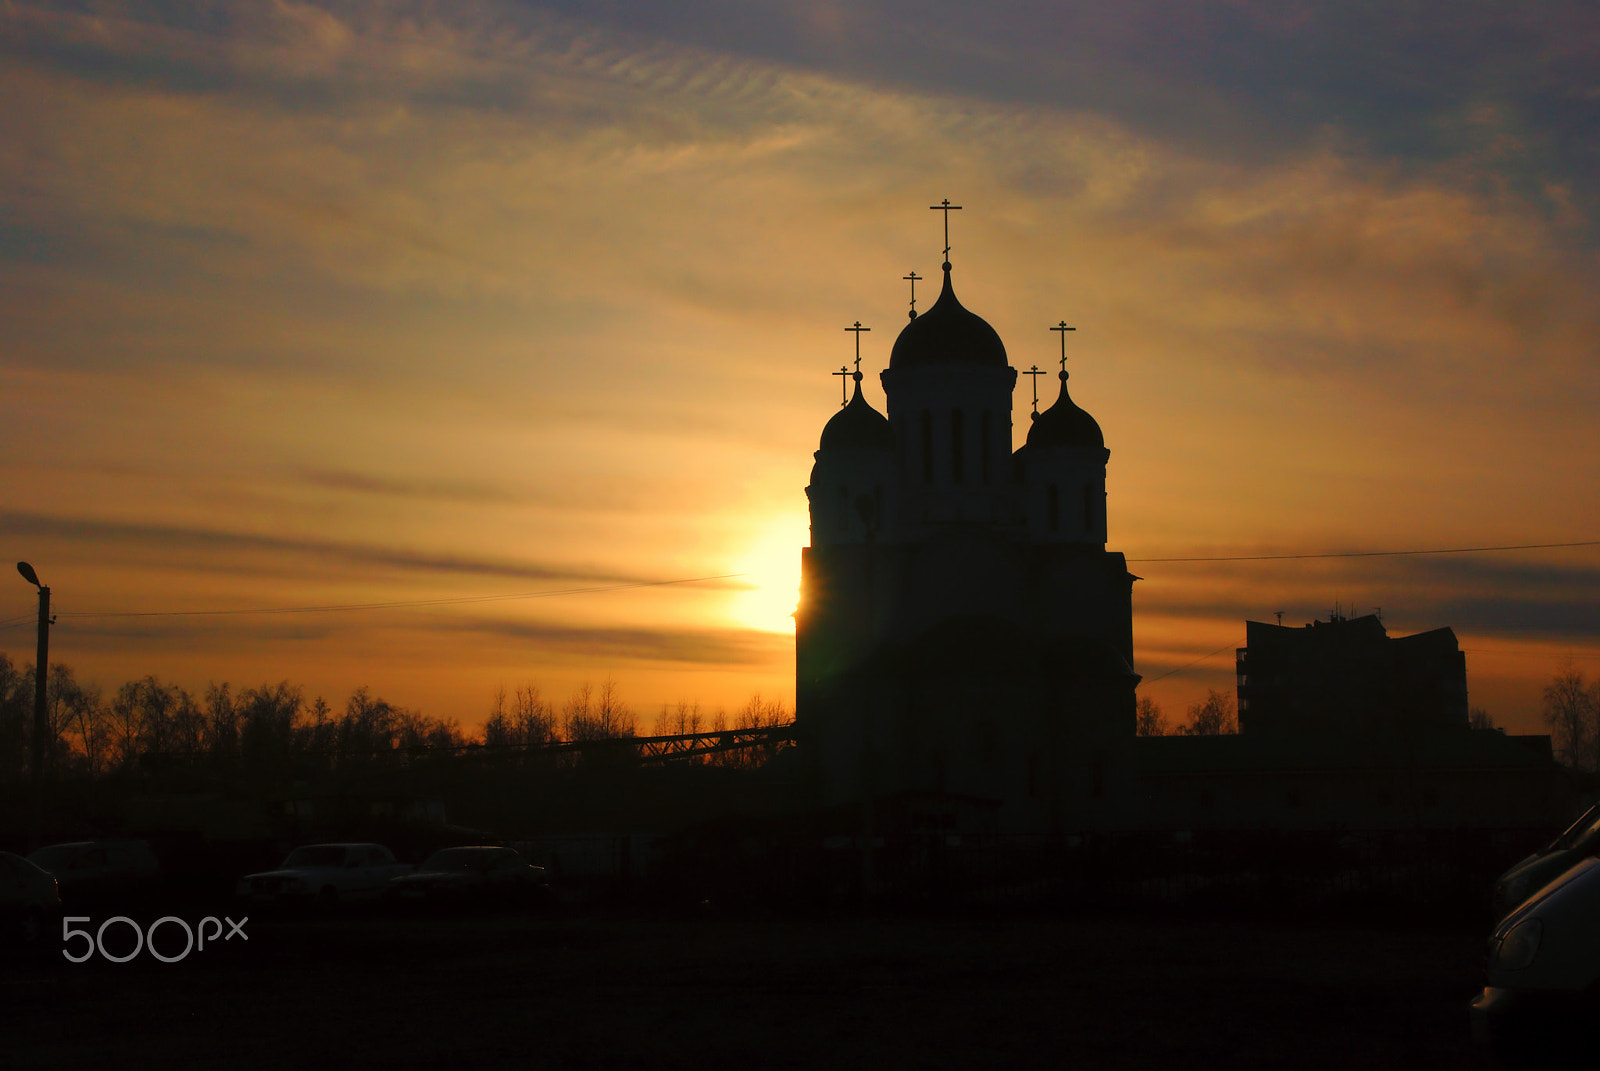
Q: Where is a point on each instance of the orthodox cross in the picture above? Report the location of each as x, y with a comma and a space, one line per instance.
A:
913, 277
1035, 373
843, 371
1063, 328
946, 207
857, 329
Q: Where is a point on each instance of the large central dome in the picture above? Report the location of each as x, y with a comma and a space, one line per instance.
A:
948, 334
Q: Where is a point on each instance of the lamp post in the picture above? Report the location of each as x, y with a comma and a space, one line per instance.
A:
41, 714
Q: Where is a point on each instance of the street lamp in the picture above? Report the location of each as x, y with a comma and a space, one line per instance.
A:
41, 717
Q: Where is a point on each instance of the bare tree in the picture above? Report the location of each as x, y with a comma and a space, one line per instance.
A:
615, 719
222, 724
682, 721
78, 720
1571, 708
1212, 716
1149, 719
761, 714
497, 727
1478, 718
577, 715
16, 707
533, 719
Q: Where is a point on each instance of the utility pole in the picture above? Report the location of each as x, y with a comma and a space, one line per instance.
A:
41, 712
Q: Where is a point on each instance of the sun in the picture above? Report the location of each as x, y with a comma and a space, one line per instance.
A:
771, 566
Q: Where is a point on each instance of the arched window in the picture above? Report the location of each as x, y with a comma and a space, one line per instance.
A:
957, 447
1053, 507
985, 433
927, 447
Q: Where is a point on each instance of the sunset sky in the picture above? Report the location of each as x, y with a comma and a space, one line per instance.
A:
311, 305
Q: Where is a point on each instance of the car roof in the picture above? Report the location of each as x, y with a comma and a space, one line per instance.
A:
1579, 874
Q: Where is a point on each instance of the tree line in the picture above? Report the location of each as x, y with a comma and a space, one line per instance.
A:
1212, 716
147, 723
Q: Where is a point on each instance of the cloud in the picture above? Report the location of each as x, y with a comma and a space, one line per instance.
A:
718, 647
1508, 92
178, 543
449, 490
1486, 595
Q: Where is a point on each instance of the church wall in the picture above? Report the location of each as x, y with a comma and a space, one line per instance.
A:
936, 488
1064, 494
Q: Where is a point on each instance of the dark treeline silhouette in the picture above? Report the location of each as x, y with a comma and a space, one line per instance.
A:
147, 726
1212, 716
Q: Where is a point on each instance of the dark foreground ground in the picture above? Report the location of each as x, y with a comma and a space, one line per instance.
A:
709, 992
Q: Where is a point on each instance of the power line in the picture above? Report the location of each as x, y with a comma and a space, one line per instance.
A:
458, 600
1369, 553
1235, 646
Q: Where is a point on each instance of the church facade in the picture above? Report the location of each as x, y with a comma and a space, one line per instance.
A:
964, 638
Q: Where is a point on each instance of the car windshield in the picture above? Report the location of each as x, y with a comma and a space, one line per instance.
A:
459, 859
1589, 822
316, 855
55, 857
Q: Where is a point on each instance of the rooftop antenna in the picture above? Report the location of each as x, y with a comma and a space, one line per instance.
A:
913, 277
946, 207
1035, 373
1280, 617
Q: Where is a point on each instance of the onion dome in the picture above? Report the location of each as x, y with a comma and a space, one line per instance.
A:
858, 426
948, 334
1064, 424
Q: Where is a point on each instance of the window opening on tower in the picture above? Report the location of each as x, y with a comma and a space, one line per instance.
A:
957, 447
927, 446
984, 435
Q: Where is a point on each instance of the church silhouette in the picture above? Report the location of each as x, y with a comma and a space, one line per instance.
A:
964, 639
964, 644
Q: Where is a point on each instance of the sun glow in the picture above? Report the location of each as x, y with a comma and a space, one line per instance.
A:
771, 566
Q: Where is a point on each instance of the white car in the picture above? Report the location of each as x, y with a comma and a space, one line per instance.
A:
1544, 967
328, 874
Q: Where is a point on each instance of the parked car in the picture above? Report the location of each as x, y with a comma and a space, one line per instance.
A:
327, 874
1544, 968
29, 900
1580, 840
475, 876
101, 871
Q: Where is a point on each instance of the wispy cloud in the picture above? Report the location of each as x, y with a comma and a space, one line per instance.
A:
183, 542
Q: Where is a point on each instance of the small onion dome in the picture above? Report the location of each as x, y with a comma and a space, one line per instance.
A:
1064, 424
858, 426
947, 334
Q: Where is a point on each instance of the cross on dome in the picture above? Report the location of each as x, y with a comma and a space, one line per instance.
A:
857, 329
913, 277
946, 207
842, 372
1035, 373
1063, 328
